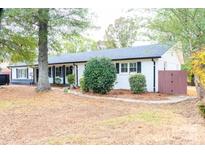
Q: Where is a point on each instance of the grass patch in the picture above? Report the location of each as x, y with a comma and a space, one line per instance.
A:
73, 139
147, 116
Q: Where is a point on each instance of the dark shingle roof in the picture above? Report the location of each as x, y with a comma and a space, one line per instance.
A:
145, 51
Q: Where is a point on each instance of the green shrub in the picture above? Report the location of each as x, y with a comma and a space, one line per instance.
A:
71, 79
58, 80
137, 83
201, 107
83, 86
100, 75
66, 90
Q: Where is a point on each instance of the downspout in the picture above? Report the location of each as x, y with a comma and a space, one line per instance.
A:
154, 75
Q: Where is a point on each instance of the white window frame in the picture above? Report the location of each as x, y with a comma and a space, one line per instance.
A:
133, 67
127, 68
22, 75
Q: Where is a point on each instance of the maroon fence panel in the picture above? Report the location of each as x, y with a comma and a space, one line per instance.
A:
172, 82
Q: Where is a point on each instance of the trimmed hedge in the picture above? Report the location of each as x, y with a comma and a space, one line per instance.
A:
100, 75
71, 79
137, 83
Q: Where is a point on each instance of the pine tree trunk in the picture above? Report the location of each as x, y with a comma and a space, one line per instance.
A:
43, 83
199, 88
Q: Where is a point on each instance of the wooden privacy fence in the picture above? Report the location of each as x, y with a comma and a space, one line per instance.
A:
172, 82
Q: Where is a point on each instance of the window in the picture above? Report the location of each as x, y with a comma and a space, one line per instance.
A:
124, 67
59, 71
133, 67
117, 68
50, 72
69, 70
139, 67
22, 73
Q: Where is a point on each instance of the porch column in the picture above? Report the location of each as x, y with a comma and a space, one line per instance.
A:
63, 74
34, 74
76, 66
54, 74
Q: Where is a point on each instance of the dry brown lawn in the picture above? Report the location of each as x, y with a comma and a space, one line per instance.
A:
27, 117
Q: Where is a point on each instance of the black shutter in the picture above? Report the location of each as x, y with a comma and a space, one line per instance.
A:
17, 75
49, 72
54, 74
117, 67
139, 69
27, 73
63, 74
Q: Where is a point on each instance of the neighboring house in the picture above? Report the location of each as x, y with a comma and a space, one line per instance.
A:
4, 69
147, 59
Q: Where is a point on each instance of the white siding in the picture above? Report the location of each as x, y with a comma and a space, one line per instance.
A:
169, 60
50, 80
30, 72
122, 81
81, 68
13, 73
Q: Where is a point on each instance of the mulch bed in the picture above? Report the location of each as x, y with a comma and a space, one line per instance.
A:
122, 93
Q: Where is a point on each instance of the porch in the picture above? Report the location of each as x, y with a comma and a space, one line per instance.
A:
58, 71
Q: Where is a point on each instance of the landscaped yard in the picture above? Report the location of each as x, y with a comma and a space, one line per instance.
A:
54, 117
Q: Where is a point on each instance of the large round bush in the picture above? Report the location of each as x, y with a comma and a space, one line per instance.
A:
137, 83
100, 75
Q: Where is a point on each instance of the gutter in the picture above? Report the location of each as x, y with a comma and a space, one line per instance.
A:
154, 75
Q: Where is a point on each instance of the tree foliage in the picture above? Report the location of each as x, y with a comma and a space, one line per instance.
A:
77, 43
187, 66
15, 43
179, 25
25, 30
62, 22
123, 33
198, 65
1, 15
